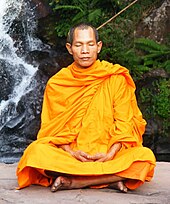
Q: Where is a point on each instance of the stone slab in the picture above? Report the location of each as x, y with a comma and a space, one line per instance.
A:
155, 192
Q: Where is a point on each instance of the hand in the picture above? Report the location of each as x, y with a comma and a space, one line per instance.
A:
102, 157
81, 156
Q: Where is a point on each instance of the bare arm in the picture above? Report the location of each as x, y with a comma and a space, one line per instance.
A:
115, 148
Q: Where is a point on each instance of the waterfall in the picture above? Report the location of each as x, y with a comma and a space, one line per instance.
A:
12, 56
20, 92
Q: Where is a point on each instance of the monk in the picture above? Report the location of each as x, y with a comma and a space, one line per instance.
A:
91, 127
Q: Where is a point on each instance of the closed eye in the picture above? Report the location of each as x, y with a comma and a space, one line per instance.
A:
91, 44
77, 45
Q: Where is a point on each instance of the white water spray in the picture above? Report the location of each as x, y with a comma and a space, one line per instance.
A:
21, 72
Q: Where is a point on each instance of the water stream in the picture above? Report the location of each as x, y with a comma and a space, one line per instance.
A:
12, 56
17, 78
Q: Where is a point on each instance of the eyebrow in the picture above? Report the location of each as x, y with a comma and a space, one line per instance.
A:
90, 41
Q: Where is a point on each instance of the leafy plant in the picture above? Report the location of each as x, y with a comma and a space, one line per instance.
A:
77, 11
155, 55
155, 100
145, 56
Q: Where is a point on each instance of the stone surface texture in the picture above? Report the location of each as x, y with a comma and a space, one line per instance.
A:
154, 192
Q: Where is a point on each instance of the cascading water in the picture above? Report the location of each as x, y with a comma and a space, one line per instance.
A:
16, 76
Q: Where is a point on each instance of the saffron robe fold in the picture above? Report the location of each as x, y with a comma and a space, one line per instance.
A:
90, 109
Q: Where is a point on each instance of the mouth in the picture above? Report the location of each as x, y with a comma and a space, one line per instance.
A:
85, 58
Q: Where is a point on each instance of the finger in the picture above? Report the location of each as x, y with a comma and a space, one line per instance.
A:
103, 159
98, 156
90, 157
87, 156
83, 159
84, 154
78, 155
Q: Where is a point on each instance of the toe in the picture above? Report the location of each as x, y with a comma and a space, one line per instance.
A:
122, 187
56, 185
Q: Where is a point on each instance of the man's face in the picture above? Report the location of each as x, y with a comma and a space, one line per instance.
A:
84, 47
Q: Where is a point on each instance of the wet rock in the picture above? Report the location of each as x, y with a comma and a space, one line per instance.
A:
47, 61
41, 8
35, 57
156, 25
156, 73
22, 128
6, 80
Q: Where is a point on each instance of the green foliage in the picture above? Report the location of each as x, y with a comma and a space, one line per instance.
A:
77, 11
155, 99
144, 56
67, 7
150, 45
155, 55
151, 55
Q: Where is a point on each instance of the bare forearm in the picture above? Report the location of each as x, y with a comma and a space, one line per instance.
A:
115, 148
66, 148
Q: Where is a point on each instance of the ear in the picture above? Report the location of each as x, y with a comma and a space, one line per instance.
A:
68, 46
99, 46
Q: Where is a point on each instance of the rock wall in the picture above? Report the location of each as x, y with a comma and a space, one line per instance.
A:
156, 25
22, 128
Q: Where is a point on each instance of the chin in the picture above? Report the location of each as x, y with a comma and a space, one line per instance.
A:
86, 64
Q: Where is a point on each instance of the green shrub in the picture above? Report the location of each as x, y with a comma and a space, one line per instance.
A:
155, 102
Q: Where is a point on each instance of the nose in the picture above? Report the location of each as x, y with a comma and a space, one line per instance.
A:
85, 49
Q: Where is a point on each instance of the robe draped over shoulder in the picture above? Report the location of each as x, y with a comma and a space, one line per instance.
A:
90, 109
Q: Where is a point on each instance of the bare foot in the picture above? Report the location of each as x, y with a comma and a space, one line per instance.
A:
118, 186
61, 182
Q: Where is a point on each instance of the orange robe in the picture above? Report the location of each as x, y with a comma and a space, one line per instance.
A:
90, 109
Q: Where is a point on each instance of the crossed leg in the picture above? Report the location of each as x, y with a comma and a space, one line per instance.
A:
75, 182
